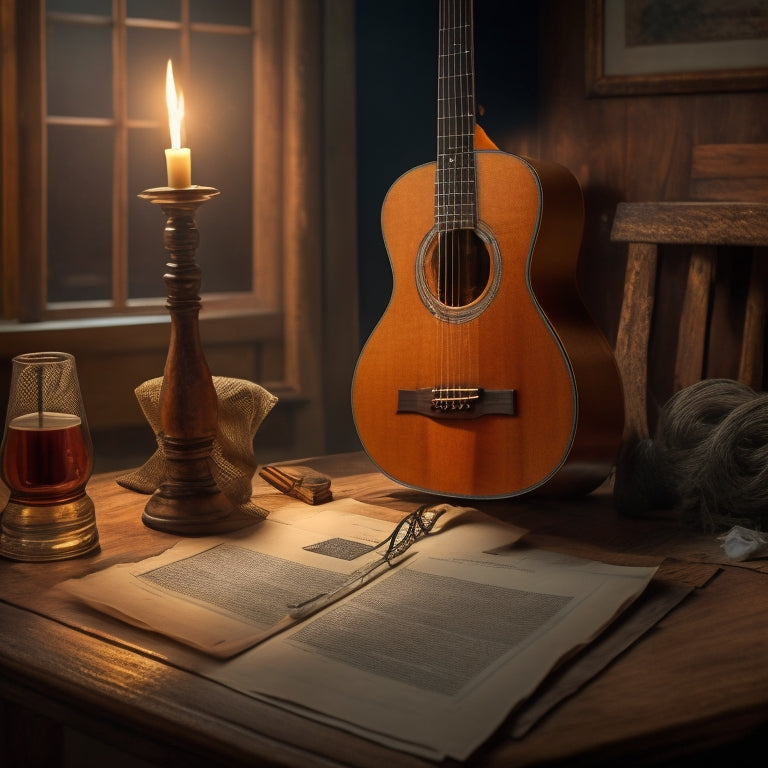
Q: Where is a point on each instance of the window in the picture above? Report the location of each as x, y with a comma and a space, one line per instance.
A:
103, 128
269, 92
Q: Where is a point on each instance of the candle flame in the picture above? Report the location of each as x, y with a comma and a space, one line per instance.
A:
175, 105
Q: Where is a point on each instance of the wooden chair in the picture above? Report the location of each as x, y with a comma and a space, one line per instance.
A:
729, 207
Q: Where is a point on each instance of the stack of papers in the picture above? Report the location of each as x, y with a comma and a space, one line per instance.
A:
429, 657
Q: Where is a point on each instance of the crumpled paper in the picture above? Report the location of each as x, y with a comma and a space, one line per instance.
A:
742, 543
242, 406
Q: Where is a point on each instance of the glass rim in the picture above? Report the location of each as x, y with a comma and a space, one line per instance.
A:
43, 358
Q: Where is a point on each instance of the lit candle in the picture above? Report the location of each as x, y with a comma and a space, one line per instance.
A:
177, 159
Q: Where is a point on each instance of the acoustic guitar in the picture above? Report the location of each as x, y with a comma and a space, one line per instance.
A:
486, 376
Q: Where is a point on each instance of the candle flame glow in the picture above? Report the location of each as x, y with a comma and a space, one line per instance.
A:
175, 105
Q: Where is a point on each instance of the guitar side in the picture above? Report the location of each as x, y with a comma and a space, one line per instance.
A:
600, 414
534, 217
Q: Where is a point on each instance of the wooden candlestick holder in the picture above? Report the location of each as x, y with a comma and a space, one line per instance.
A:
189, 500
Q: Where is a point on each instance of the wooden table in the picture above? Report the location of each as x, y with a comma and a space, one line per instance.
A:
695, 684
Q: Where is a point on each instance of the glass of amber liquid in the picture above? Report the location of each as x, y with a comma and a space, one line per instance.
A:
47, 460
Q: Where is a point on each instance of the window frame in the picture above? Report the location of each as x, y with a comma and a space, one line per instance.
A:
24, 260
305, 250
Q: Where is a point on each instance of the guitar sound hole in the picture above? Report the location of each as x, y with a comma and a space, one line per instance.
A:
457, 267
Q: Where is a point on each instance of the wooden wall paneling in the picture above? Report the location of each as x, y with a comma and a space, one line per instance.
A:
342, 341
657, 146
602, 175
268, 156
303, 218
563, 121
32, 241
732, 118
585, 135
9, 163
729, 172
108, 383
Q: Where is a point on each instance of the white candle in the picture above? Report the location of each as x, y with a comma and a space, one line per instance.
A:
178, 159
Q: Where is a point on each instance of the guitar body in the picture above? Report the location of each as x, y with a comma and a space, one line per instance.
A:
510, 387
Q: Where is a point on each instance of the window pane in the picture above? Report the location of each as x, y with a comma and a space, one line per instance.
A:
79, 70
97, 7
168, 10
148, 51
79, 213
221, 12
220, 130
146, 253
81, 158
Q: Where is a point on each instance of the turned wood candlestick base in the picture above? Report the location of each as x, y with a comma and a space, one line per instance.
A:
189, 501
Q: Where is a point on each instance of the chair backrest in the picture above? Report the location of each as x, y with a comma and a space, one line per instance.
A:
728, 207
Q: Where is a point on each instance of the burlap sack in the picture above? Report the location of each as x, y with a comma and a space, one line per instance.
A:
243, 406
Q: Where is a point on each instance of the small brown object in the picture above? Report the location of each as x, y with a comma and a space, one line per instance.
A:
301, 482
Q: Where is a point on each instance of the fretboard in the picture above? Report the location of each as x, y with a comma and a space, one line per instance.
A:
455, 191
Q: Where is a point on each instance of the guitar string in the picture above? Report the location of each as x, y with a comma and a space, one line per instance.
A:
463, 191
471, 349
468, 187
441, 200
456, 190
439, 189
452, 199
458, 175
458, 178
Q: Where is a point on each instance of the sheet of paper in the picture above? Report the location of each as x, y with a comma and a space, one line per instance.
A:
222, 595
432, 658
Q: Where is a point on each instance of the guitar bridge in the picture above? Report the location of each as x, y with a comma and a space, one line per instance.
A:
457, 402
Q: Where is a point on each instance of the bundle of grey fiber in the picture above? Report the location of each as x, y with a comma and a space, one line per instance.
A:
709, 458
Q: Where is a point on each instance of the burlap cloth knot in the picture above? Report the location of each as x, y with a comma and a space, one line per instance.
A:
243, 406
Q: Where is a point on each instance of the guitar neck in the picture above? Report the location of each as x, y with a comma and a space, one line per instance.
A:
455, 182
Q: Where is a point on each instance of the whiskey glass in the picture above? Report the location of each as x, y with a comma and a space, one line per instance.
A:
47, 460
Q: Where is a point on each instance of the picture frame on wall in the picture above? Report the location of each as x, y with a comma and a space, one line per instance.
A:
646, 47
